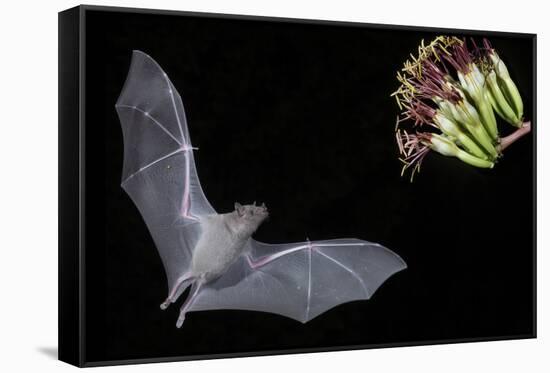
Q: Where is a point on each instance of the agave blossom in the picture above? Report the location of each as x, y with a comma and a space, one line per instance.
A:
502, 91
413, 148
448, 95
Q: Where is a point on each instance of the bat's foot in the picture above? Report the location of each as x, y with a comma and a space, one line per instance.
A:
181, 319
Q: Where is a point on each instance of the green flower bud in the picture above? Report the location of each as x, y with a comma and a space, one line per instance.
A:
447, 147
451, 129
473, 83
508, 87
466, 114
499, 101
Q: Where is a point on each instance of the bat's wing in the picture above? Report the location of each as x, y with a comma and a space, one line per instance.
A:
301, 280
159, 168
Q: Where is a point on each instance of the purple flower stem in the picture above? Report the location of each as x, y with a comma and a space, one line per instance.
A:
517, 134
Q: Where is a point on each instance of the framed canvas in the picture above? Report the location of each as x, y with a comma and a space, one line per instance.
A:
238, 186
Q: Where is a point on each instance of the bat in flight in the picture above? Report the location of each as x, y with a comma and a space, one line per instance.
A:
215, 253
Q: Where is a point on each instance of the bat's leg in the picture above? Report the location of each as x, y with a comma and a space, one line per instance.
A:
180, 286
188, 302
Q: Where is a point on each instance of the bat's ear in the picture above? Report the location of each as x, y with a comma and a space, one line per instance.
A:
239, 208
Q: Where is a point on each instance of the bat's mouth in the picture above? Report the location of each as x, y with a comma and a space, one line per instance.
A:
262, 211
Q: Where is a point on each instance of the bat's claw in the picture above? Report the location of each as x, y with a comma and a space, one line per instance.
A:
167, 302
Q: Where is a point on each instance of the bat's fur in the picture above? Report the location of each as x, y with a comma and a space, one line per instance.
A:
223, 239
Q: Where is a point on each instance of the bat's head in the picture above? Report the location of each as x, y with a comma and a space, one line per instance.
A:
251, 216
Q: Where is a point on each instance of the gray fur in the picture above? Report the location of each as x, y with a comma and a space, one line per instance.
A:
223, 239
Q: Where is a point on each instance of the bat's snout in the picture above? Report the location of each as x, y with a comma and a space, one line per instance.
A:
262, 211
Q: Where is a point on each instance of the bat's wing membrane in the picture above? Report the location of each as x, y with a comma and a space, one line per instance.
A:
301, 280
159, 168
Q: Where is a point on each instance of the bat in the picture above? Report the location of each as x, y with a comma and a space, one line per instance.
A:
213, 253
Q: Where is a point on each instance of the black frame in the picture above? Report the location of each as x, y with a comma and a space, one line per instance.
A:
72, 184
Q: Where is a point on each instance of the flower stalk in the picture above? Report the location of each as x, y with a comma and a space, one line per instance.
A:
516, 135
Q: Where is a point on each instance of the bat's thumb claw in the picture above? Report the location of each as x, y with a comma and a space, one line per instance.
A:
164, 305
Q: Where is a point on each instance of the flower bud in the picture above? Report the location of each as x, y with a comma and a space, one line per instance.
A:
499, 101
451, 129
443, 145
466, 114
447, 147
508, 88
474, 84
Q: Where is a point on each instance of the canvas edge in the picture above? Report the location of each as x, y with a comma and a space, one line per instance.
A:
70, 177
80, 115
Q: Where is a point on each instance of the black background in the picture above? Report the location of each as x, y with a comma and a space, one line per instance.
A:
299, 115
